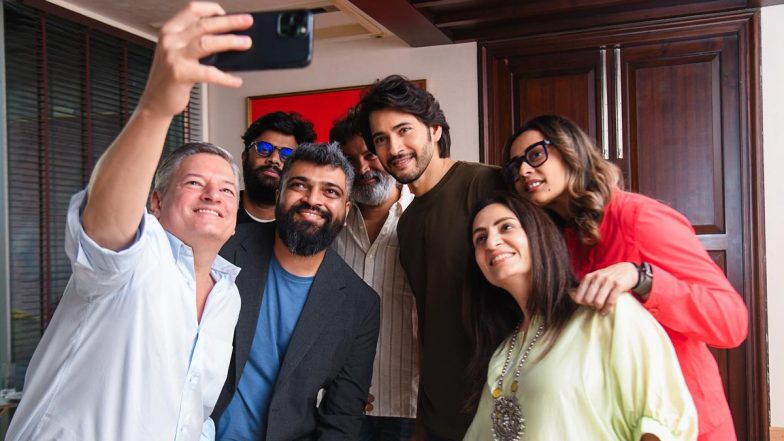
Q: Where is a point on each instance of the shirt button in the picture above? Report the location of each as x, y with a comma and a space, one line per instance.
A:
193, 379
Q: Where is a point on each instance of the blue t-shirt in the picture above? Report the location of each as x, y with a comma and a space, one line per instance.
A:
284, 297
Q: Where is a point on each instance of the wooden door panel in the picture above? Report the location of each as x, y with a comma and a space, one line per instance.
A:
564, 84
565, 94
675, 142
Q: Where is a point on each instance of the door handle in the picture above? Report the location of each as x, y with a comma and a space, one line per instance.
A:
618, 104
605, 113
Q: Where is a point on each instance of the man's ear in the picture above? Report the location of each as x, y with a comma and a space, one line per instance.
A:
436, 132
155, 204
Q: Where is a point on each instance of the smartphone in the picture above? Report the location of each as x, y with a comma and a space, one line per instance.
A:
281, 40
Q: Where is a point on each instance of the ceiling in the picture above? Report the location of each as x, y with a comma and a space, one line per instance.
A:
334, 19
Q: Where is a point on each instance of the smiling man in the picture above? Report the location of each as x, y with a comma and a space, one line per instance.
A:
140, 343
307, 332
405, 126
369, 244
269, 141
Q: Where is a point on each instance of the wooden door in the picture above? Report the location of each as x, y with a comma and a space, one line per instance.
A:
676, 121
682, 119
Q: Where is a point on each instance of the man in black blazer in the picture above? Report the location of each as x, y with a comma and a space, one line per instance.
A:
306, 336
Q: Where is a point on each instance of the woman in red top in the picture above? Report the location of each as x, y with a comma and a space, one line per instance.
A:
620, 242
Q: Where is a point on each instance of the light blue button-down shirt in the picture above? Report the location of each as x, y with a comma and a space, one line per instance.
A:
124, 357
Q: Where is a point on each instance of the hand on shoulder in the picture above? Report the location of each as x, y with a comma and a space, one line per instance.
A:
600, 289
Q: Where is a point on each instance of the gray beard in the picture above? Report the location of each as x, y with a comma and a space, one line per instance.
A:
375, 194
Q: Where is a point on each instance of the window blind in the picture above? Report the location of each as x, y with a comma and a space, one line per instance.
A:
70, 89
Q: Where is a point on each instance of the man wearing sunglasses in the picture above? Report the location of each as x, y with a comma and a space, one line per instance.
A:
269, 141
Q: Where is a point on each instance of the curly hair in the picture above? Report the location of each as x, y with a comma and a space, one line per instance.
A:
288, 123
398, 93
591, 180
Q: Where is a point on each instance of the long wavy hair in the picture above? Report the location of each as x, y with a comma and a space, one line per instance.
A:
591, 180
491, 313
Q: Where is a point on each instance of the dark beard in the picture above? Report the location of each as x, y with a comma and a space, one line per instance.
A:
259, 187
303, 238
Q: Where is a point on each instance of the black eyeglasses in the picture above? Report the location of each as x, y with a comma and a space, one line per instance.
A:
534, 155
265, 149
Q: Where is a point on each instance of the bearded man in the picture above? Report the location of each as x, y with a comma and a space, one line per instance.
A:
308, 326
369, 244
269, 141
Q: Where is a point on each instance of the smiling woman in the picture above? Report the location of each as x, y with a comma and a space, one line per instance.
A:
542, 363
627, 242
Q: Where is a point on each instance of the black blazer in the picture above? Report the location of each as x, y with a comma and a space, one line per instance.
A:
332, 348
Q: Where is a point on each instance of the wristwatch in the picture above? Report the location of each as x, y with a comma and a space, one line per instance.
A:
644, 280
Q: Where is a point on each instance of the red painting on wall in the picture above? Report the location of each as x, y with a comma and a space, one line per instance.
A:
321, 107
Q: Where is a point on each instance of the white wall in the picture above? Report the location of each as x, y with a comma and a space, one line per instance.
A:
450, 71
773, 151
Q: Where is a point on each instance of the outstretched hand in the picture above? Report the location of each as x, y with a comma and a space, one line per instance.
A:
600, 289
198, 30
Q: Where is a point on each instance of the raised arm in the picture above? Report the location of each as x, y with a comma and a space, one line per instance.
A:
120, 183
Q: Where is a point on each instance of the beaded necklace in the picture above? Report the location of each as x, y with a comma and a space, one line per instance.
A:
507, 417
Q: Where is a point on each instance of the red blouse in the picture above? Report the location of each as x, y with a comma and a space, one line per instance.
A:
690, 297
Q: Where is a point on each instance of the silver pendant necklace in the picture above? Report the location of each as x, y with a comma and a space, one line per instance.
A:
507, 417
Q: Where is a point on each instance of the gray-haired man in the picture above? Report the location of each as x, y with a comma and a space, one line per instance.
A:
139, 345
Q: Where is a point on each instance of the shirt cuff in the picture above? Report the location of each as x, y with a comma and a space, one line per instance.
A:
87, 254
661, 431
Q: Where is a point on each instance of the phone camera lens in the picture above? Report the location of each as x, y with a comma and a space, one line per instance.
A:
292, 24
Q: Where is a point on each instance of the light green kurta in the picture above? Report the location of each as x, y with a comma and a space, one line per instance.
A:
611, 377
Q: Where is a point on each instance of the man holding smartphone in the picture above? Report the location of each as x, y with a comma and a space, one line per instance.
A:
140, 343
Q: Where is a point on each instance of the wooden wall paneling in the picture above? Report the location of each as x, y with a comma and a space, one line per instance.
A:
493, 20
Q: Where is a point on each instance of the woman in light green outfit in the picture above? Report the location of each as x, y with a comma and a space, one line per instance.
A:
547, 369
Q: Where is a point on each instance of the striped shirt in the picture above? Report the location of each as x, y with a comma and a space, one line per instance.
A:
396, 367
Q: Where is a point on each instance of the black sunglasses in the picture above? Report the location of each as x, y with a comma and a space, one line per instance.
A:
265, 149
534, 155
